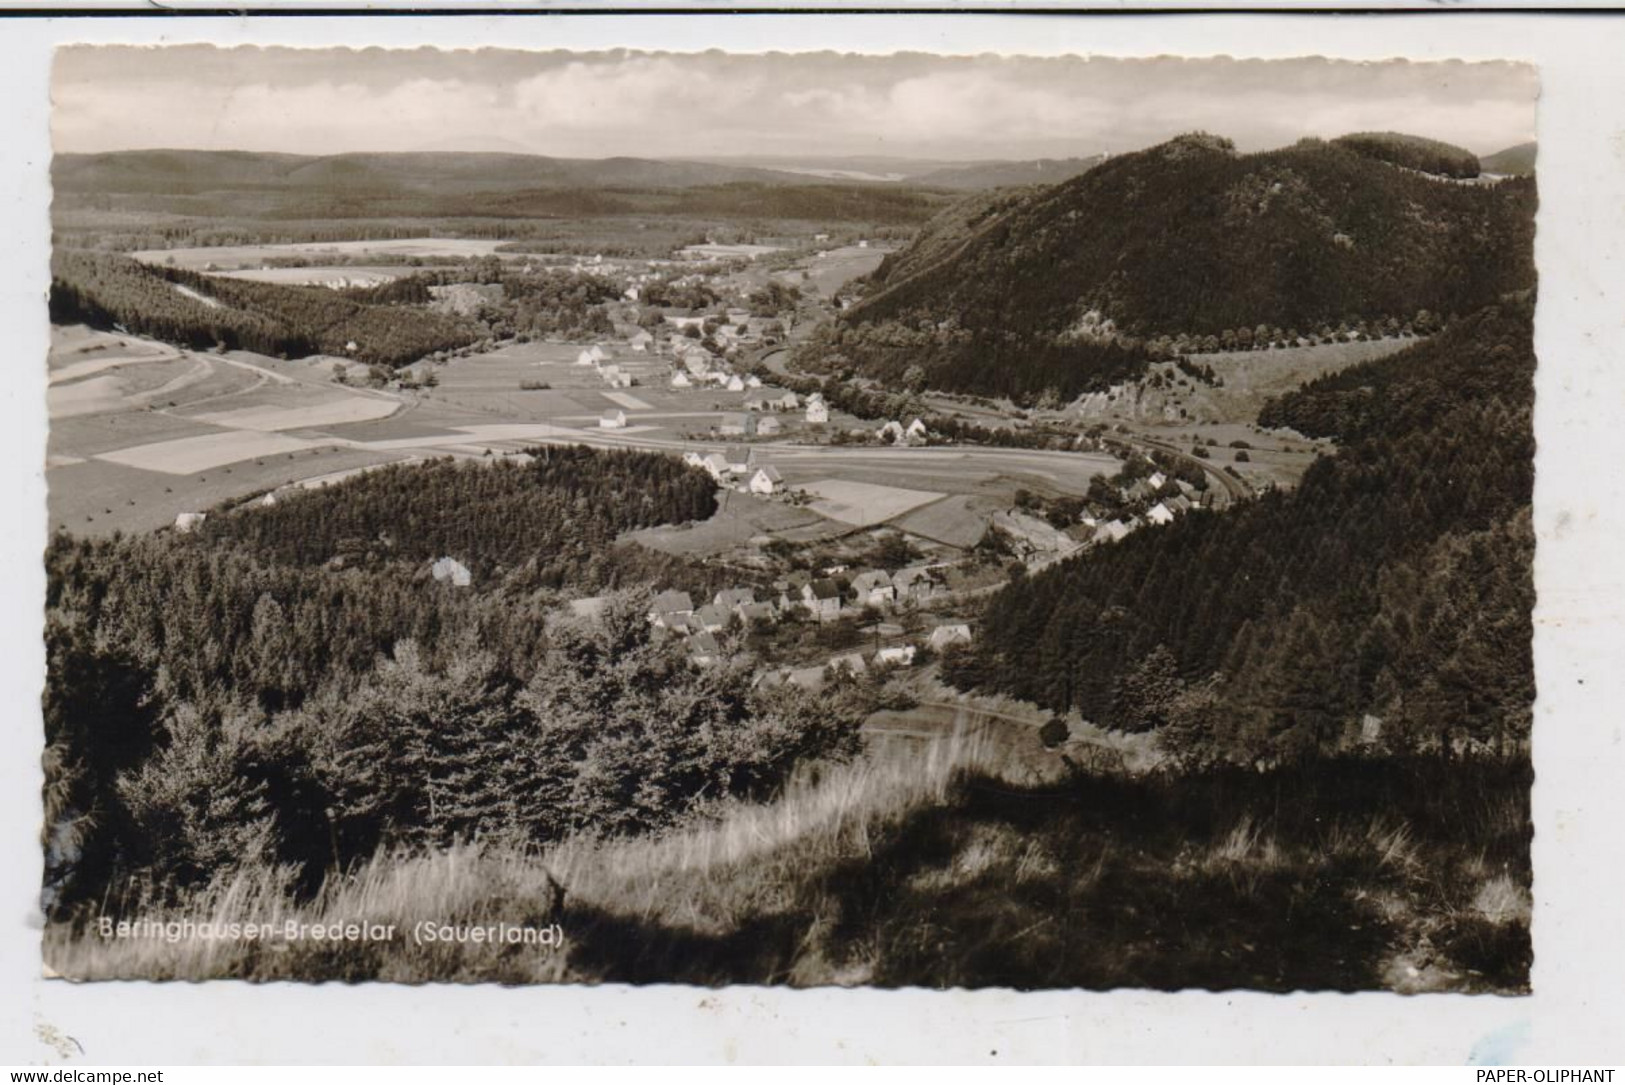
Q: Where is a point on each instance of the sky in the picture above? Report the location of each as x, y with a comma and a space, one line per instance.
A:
713, 104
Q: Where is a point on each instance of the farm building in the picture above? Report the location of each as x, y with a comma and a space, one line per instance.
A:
916, 433
767, 427
753, 381
668, 605
915, 584
1116, 530
733, 598
612, 419
450, 570
738, 422
599, 354
711, 618
757, 612
822, 598
817, 413
1160, 514
766, 480
717, 463
641, 341
585, 358
703, 650
944, 635
789, 402
896, 657
680, 379
755, 403
736, 383
874, 589
852, 663
189, 521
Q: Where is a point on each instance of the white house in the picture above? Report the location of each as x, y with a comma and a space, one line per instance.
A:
1157, 479
767, 427
599, 354
916, 433
680, 379
817, 412
753, 381
766, 480
891, 431
585, 358
874, 589
612, 419
717, 463
453, 571
1160, 514
641, 341
189, 521
736, 383
944, 635
694, 459
896, 657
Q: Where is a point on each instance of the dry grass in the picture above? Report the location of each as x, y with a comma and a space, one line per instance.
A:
951, 866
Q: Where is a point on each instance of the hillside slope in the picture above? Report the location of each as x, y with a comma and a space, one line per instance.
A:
1191, 237
1518, 161
1395, 581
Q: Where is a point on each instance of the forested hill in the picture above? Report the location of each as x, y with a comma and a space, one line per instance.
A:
183, 172
1191, 237
203, 312
1395, 581
1513, 161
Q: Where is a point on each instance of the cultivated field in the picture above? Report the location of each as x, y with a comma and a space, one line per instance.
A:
340, 275
863, 503
1253, 376
238, 257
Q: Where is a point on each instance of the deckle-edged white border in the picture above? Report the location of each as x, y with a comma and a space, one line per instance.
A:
1580, 519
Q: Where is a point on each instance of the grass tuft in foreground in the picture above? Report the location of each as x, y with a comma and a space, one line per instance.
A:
944, 869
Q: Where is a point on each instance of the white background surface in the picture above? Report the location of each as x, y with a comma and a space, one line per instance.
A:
1579, 971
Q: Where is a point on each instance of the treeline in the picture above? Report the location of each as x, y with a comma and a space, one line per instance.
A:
290, 684
1395, 582
210, 312
990, 361
555, 514
1192, 238
1413, 152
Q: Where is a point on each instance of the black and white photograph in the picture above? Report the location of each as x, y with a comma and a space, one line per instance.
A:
790, 519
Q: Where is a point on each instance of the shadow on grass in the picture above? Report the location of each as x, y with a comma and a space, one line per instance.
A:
1313, 879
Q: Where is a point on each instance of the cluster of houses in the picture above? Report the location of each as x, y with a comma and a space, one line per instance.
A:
894, 432
1165, 511
761, 479
822, 598
614, 374
859, 663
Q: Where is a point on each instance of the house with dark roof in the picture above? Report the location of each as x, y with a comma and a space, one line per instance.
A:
822, 598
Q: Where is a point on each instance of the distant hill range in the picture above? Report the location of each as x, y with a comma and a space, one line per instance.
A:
1039, 171
1192, 237
196, 172
1516, 161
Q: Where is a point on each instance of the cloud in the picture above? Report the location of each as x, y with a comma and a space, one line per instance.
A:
619, 103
